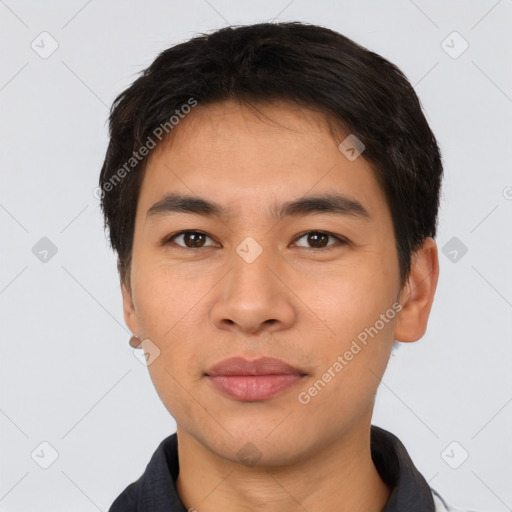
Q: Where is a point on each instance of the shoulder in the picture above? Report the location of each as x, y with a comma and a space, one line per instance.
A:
155, 489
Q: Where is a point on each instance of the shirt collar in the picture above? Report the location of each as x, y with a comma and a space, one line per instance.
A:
155, 490
410, 491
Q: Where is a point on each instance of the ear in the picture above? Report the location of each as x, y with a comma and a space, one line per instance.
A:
130, 315
417, 295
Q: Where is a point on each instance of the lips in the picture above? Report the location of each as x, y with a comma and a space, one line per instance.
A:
261, 366
253, 381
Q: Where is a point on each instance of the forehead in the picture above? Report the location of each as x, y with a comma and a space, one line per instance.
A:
231, 121
234, 153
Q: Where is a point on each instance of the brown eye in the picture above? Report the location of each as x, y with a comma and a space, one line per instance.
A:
190, 239
319, 240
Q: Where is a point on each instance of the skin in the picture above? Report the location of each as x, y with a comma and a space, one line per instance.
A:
299, 302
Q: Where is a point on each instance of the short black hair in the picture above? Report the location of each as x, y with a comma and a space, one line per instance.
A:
312, 66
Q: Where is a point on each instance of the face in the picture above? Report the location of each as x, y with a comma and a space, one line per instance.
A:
315, 287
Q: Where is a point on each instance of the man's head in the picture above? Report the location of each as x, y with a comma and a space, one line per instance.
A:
312, 66
298, 248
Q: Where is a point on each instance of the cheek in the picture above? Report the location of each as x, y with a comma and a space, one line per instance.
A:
164, 298
357, 306
350, 362
169, 316
169, 313
353, 299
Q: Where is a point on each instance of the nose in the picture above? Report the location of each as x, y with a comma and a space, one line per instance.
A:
253, 297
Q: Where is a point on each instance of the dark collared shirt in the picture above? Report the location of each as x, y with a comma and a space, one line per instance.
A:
155, 490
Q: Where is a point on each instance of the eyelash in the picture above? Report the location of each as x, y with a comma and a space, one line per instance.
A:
341, 241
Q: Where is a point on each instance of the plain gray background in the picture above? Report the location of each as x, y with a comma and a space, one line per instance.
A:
69, 378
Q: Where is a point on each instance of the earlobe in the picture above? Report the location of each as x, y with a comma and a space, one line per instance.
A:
418, 293
130, 315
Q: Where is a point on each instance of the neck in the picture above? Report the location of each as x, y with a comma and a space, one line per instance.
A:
341, 477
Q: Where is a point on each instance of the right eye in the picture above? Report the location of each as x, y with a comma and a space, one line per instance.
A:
189, 239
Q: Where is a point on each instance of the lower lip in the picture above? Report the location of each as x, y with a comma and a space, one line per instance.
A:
254, 388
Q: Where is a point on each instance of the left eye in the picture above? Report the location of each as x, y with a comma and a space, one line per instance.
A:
319, 239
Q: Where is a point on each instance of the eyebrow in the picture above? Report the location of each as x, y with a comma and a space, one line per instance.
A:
326, 203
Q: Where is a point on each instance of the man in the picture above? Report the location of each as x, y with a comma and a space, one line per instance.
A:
272, 194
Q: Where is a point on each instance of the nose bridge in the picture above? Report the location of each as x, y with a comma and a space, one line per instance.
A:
251, 281
251, 296
253, 273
